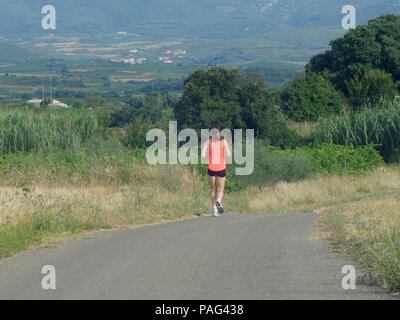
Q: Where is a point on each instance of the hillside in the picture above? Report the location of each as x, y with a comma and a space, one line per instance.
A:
182, 18
13, 54
211, 31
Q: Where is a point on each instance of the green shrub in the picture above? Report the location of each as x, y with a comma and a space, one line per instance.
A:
336, 159
273, 165
283, 166
136, 133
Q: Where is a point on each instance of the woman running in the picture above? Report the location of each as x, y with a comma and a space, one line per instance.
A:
218, 149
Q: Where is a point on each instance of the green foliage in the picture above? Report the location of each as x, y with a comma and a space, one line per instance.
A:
377, 124
84, 163
94, 102
209, 96
310, 97
78, 103
44, 130
372, 46
136, 133
337, 159
103, 117
273, 165
285, 167
256, 103
151, 105
371, 87
235, 102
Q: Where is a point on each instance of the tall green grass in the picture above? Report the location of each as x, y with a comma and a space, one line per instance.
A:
377, 124
51, 146
45, 131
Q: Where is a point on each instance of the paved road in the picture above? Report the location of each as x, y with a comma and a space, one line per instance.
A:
232, 257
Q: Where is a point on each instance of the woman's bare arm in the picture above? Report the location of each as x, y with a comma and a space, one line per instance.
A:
204, 149
227, 149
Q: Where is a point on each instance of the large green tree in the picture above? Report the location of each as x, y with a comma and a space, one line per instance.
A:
233, 100
310, 97
372, 46
209, 96
257, 105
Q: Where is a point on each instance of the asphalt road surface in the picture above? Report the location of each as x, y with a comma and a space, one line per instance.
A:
235, 256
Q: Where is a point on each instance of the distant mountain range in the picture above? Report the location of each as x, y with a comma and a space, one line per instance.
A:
183, 18
214, 31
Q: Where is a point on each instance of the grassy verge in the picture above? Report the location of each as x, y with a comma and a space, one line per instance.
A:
43, 211
370, 231
360, 214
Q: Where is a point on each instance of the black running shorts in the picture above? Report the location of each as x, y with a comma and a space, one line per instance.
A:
220, 174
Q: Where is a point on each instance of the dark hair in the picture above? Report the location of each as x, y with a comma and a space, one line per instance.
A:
216, 126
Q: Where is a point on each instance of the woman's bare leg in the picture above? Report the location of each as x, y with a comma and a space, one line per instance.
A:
220, 188
213, 190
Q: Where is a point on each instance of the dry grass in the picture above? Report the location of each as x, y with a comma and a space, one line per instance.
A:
370, 231
47, 210
361, 214
320, 192
303, 128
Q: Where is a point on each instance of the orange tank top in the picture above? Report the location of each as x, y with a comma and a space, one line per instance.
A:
216, 160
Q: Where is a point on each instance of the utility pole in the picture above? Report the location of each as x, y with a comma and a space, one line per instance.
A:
51, 91
43, 89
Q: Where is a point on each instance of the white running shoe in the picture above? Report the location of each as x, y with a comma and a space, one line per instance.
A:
215, 212
219, 207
